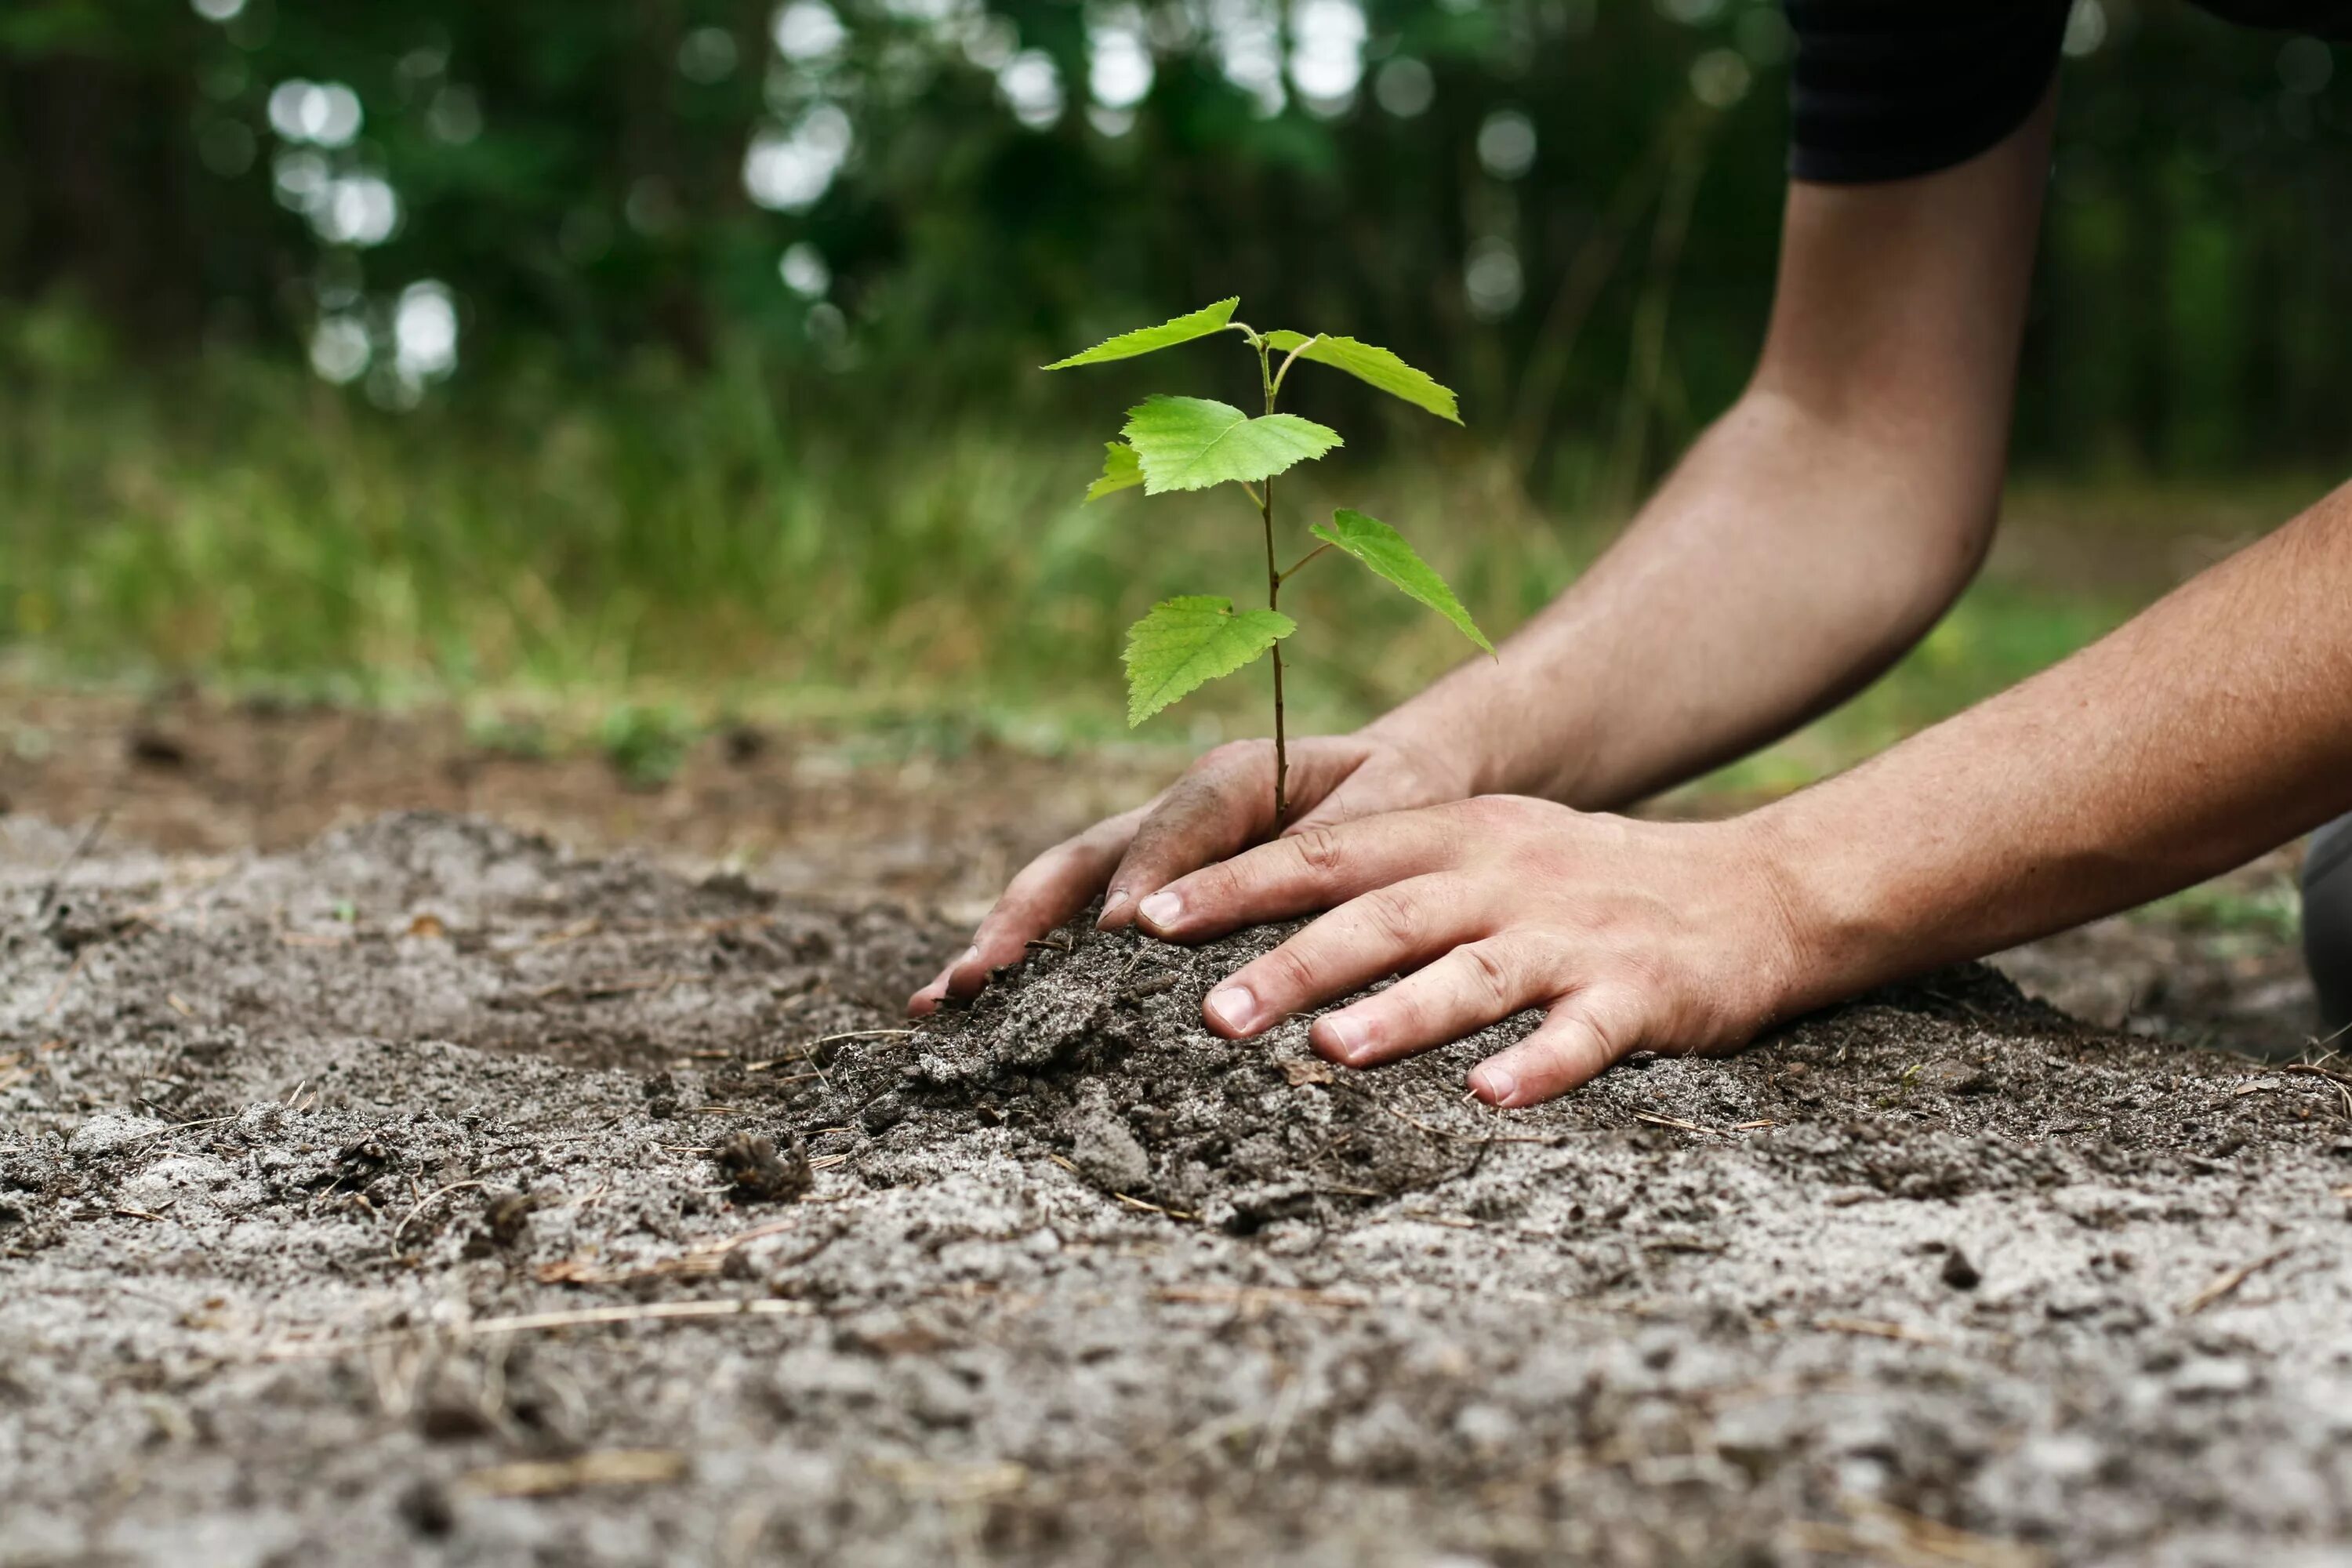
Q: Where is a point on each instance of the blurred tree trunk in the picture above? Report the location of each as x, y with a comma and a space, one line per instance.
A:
95, 159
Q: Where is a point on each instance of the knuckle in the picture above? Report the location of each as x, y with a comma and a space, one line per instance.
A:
1487, 974
1291, 971
1389, 916
1612, 1022
1318, 850
1232, 757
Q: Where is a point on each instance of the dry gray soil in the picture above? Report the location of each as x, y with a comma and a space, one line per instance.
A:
425, 1193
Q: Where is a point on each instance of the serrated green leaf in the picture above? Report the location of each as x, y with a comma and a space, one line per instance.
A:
1383, 549
1191, 443
1187, 642
1148, 339
1376, 366
1120, 470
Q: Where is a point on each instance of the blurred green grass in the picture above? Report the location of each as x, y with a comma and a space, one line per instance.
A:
719, 547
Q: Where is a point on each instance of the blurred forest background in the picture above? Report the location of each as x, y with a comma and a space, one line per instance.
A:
682, 351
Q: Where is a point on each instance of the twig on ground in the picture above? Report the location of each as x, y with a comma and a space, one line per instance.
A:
1654, 1120
414, 1212
542, 1323
73, 857
546, 1478
806, 1052
2226, 1283
1257, 1298
1873, 1329
1883, 1533
1420, 1126
1278, 1425
57, 997
176, 1127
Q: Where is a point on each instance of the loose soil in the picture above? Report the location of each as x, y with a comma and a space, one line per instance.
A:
315, 1159
424, 1192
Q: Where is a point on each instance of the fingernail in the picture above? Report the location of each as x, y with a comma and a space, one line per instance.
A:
1497, 1084
1112, 904
1162, 909
1233, 1007
1346, 1036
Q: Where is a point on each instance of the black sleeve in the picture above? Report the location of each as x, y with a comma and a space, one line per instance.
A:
1883, 89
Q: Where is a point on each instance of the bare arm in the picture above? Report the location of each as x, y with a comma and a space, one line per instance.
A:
2213, 727
1814, 532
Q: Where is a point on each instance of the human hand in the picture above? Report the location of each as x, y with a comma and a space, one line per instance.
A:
1631, 936
1223, 804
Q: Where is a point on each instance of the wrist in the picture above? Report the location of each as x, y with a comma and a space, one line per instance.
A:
1819, 901
1451, 755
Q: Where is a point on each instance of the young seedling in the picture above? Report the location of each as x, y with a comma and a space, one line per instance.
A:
1195, 443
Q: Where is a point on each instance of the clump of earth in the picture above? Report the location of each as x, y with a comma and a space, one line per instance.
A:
430, 1194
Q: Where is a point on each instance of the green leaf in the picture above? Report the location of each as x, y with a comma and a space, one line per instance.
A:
1187, 642
1383, 549
1376, 365
1166, 335
1120, 470
1191, 443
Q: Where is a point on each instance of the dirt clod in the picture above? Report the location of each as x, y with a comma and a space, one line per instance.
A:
750, 1160
1959, 1272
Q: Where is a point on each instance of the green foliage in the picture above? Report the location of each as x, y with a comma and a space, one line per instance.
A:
1374, 366
1383, 549
1191, 443
1121, 471
1200, 323
1184, 643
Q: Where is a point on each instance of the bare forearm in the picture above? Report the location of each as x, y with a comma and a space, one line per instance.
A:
2215, 726
1786, 562
1816, 529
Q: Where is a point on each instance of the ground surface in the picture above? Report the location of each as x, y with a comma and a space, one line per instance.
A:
396, 1191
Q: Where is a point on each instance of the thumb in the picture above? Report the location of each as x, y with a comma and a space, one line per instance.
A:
1376, 787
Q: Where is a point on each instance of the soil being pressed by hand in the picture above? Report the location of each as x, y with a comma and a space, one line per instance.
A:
426, 1194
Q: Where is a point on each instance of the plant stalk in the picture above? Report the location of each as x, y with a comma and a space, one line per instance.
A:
1274, 602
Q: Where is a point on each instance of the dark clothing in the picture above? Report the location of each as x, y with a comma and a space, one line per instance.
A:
2327, 924
1883, 89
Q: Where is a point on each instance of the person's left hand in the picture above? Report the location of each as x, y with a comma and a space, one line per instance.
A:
1632, 935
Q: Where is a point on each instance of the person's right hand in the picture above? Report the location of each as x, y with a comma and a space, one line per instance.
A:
1223, 805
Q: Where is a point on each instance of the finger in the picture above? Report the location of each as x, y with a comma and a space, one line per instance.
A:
1049, 890
1223, 804
1400, 926
1363, 791
926, 1001
1581, 1037
1469, 988
1312, 870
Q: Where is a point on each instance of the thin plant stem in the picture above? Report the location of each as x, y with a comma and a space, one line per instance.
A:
1299, 566
1291, 358
1274, 602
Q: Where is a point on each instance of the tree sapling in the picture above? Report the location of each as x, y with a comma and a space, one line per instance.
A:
1193, 443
